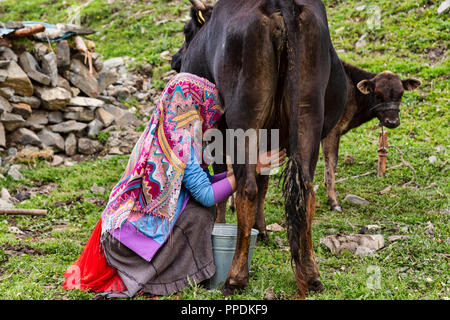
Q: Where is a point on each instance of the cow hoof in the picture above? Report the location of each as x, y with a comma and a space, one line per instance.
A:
336, 208
263, 237
228, 289
315, 285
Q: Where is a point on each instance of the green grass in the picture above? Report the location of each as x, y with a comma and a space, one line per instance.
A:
412, 268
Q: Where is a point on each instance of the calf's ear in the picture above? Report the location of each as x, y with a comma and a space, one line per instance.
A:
366, 86
411, 84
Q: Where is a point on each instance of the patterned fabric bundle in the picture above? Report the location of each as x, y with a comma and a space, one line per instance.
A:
152, 180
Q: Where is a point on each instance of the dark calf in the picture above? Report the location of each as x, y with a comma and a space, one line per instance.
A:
370, 95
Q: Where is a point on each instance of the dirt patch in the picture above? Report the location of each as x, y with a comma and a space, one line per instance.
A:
436, 55
20, 250
25, 192
99, 202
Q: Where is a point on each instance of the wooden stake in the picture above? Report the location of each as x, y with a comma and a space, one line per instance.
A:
28, 212
382, 153
26, 31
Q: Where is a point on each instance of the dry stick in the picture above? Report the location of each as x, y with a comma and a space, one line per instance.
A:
382, 153
29, 212
48, 41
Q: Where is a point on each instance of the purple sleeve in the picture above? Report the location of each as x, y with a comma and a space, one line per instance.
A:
222, 190
218, 177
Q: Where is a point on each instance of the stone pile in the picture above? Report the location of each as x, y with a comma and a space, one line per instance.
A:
53, 98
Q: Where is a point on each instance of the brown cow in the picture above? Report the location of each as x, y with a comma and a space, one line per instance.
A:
275, 67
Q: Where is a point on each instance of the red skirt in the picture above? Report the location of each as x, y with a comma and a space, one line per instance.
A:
91, 271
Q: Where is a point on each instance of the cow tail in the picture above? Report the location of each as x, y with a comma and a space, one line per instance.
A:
295, 189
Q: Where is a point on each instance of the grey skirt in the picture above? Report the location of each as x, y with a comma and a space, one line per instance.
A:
186, 257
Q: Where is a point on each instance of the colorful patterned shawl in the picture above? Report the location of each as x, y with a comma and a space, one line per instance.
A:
152, 180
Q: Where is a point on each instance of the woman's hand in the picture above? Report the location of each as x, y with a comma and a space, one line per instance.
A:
270, 160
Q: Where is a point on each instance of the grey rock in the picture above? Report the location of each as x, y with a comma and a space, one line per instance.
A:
6, 92
12, 152
104, 116
63, 55
40, 50
366, 244
17, 79
51, 139
57, 160
94, 128
126, 120
89, 146
356, 200
2, 137
32, 101
115, 111
37, 120
22, 109
106, 78
5, 106
68, 126
79, 113
53, 98
142, 95
5, 195
25, 136
81, 78
443, 7
63, 83
14, 173
86, 102
122, 142
70, 145
6, 204
113, 63
7, 54
121, 93
12, 121
32, 69
50, 68
55, 117
97, 62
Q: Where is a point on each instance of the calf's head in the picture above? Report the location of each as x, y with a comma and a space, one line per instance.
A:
200, 14
386, 90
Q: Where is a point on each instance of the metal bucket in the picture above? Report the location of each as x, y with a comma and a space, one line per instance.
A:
224, 244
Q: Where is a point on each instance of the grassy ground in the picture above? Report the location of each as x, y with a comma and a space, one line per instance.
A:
411, 40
